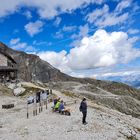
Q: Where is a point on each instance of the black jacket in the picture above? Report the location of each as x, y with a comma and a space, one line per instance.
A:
83, 107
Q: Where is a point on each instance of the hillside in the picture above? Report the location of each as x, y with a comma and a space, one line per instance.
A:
32, 68
114, 95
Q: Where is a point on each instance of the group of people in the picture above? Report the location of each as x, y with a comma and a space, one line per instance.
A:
60, 107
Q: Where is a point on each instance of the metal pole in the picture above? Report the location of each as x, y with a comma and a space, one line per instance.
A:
27, 112
39, 108
36, 106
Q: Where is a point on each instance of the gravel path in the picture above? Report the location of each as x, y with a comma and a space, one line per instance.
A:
103, 123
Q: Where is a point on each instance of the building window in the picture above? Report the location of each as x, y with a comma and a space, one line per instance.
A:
10, 64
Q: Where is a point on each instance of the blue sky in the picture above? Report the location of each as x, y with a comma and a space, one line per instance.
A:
85, 38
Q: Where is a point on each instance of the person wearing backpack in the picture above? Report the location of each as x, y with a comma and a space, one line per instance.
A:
83, 109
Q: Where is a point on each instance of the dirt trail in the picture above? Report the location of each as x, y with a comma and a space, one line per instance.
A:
103, 93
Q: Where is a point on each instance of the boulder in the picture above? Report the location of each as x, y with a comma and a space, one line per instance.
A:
18, 91
11, 86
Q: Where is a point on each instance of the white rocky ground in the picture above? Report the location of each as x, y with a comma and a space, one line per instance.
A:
103, 123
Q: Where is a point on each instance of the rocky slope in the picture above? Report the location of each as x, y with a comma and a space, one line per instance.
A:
103, 123
126, 102
32, 68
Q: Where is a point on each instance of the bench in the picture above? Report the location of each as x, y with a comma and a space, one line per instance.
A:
65, 112
8, 106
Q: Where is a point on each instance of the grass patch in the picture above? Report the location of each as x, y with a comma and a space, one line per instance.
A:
29, 91
4, 90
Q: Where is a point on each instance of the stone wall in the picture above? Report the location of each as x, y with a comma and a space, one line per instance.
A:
3, 60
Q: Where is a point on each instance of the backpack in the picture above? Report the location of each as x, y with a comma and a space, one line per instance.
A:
80, 108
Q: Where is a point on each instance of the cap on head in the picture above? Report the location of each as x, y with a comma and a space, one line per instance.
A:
84, 99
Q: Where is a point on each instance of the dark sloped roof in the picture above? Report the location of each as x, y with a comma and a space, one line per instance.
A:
5, 68
8, 56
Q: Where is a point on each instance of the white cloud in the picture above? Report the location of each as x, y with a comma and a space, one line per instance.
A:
18, 45
14, 41
28, 14
69, 28
124, 75
93, 16
112, 19
133, 31
123, 5
33, 28
23, 46
38, 43
58, 60
83, 31
102, 17
107, 72
120, 73
100, 50
45, 8
57, 21
8, 7
58, 35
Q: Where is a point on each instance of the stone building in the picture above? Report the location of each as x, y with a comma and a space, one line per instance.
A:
8, 69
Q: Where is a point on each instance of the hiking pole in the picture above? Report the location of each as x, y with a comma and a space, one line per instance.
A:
36, 106
27, 111
46, 103
41, 106
36, 109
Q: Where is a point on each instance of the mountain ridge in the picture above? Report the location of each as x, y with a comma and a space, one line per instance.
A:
32, 68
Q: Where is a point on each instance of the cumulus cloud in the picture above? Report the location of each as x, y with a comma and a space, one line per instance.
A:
133, 31
33, 28
83, 31
28, 14
18, 45
9, 7
14, 41
46, 9
102, 17
58, 60
102, 49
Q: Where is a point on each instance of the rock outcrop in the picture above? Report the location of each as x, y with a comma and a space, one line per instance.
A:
32, 68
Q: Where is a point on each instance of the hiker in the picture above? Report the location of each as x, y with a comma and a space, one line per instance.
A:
62, 109
57, 105
83, 109
54, 102
38, 97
